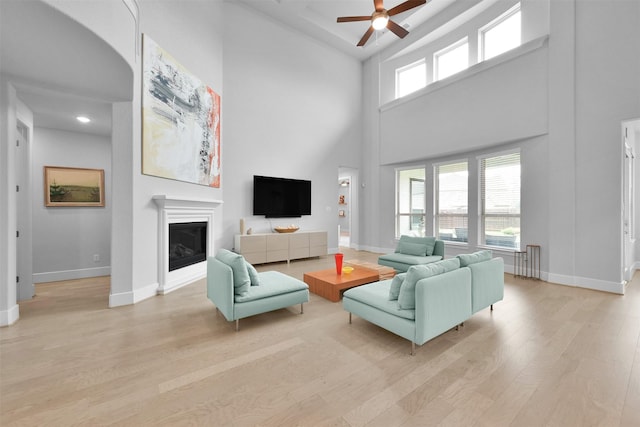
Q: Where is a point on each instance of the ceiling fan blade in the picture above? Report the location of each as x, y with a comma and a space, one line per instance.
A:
397, 29
354, 18
403, 7
378, 5
366, 36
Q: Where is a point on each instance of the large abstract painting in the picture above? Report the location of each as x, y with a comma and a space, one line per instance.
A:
180, 119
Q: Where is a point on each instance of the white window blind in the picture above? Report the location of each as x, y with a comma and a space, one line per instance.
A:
452, 201
410, 195
500, 200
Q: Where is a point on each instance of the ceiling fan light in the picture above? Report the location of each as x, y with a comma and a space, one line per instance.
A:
379, 20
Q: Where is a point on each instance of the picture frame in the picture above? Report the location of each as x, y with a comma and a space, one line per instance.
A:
341, 213
73, 187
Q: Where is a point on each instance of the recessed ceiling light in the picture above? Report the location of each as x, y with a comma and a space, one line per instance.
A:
83, 119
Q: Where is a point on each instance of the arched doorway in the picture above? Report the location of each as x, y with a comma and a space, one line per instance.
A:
54, 67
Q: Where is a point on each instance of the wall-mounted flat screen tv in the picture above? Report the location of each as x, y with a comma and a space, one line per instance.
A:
281, 197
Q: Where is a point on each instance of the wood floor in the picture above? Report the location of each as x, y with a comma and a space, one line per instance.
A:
547, 355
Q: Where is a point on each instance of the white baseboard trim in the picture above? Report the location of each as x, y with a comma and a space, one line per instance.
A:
9, 317
56, 276
137, 295
587, 283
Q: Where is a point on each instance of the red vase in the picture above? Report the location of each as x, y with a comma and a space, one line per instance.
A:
339, 264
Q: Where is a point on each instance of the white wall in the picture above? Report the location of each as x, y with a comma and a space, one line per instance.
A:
292, 109
67, 238
583, 85
488, 105
607, 92
192, 33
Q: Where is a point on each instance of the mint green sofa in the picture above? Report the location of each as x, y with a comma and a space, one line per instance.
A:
228, 289
413, 251
432, 299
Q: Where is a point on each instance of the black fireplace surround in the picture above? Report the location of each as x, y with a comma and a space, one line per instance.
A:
187, 244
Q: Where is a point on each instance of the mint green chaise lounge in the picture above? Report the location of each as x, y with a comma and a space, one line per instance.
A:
239, 291
413, 251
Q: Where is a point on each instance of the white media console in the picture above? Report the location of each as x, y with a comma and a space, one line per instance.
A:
272, 247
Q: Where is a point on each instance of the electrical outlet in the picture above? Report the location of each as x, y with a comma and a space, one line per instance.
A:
96, 258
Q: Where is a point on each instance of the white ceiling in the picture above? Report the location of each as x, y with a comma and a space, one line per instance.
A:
83, 75
60, 69
318, 19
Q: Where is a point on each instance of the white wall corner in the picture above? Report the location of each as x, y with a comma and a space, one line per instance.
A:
129, 298
9, 317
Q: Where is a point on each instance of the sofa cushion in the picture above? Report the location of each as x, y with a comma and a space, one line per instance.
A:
394, 287
449, 264
375, 295
480, 256
409, 259
253, 274
272, 283
407, 296
408, 248
241, 280
430, 242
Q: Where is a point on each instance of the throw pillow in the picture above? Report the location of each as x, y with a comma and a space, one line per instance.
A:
409, 248
241, 280
480, 256
430, 242
449, 264
407, 296
253, 274
394, 289
431, 245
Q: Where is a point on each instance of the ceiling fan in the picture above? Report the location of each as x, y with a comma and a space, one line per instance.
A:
380, 18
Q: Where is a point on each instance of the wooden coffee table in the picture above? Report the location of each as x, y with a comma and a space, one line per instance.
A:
328, 284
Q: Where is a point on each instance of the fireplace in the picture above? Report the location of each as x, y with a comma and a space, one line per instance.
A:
185, 239
187, 244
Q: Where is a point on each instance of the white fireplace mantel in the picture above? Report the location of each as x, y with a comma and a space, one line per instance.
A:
178, 202
177, 209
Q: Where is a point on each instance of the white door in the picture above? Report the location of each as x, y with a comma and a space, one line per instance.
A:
628, 200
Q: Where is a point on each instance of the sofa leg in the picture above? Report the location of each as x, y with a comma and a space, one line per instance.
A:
237, 325
491, 307
349, 318
301, 308
413, 348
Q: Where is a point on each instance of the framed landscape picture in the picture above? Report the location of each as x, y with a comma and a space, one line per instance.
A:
73, 186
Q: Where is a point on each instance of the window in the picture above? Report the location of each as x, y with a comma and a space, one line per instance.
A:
411, 78
451, 210
501, 34
500, 200
410, 212
451, 60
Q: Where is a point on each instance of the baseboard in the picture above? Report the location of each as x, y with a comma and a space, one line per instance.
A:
9, 317
137, 295
56, 276
587, 283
